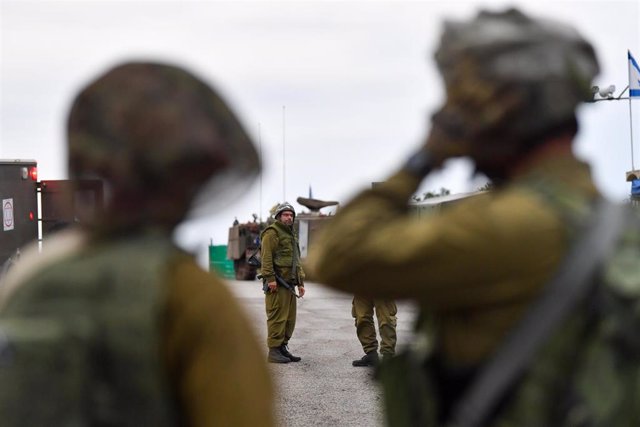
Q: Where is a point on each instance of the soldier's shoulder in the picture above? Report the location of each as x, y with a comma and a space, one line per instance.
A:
269, 232
187, 282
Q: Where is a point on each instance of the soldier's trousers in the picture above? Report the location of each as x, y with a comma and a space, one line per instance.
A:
362, 311
281, 316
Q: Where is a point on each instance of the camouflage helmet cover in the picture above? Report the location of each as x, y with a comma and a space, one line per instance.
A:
510, 77
285, 206
142, 125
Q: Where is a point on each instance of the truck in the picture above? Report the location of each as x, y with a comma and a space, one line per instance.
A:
244, 238
33, 209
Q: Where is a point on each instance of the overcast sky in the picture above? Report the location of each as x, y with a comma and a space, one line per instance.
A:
355, 81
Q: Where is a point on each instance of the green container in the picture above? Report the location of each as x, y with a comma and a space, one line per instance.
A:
219, 263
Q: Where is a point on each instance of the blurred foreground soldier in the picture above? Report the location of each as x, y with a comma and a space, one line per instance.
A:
362, 309
280, 256
512, 87
119, 326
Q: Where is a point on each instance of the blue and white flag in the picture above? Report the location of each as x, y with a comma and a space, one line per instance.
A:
634, 76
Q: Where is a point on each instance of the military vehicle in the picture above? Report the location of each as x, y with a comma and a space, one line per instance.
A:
18, 193
244, 238
32, 209
243, 242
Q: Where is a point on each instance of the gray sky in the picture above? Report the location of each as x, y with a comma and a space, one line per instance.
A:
356, 79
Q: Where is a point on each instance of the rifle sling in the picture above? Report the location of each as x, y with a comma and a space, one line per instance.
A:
562, 293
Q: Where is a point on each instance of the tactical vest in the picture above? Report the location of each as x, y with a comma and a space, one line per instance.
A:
287, 256
80, 343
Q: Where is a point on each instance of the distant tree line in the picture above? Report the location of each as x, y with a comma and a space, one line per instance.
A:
429, 194
445, 192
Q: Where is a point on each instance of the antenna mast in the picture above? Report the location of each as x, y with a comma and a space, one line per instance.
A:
261, 162
284, 193
633, 168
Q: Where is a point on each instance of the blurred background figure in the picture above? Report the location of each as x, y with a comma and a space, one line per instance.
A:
512, 84
116, 325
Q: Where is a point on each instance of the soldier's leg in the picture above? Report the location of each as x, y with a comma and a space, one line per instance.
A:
276, 325
386, 314
362, 312
290, 326
277, 308
292, 308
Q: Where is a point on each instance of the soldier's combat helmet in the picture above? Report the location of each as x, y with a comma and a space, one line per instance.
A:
510, 81
148, 128
285, 206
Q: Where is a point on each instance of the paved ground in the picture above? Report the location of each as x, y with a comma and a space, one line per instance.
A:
323, 389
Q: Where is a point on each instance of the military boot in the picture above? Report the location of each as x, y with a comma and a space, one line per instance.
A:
285, 351
276, 356
369, 359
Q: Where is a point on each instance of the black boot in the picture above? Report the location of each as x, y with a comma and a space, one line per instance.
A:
369, 359
275, 356
285, 353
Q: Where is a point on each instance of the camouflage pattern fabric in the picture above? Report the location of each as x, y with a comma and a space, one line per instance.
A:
587, 374
208, 353
509, 79
81, 340
143, 126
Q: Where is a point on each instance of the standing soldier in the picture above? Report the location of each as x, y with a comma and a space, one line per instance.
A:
280, 255
362, 309
513, 84
118, 326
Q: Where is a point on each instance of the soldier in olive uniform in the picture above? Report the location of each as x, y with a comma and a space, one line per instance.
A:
280, 255
513, 84
362, 309
117, 325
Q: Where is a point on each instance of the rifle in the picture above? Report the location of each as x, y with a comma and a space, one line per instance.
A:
255, 262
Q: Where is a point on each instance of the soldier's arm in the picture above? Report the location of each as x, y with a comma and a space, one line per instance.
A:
466, 255
269, 245
215, 364
301, 273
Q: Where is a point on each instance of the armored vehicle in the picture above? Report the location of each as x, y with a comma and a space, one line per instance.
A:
244, 240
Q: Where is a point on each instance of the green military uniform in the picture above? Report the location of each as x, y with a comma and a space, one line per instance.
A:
476, 266
136, 308
362, 309
280, 255
147, 337
474, 269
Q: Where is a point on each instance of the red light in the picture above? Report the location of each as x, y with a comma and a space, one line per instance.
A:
33, 173
31, 216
